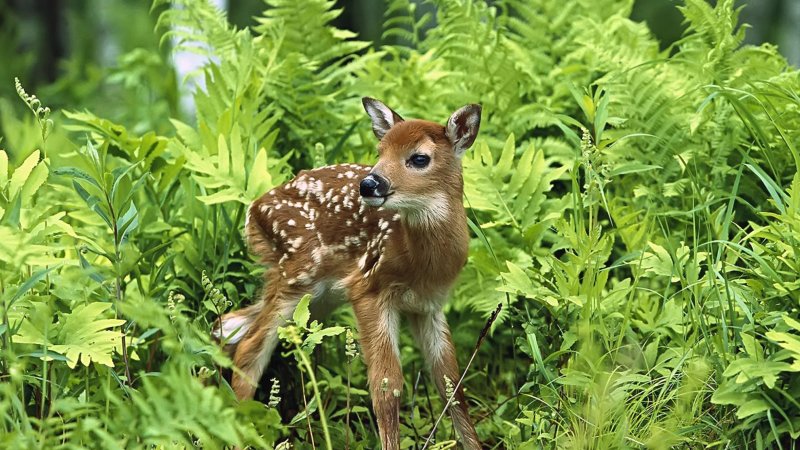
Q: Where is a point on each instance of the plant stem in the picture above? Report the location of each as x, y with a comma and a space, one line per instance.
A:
118, 284
124, 346
347, 415
6, 340
307, 365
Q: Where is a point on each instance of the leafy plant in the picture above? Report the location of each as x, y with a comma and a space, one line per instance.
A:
633, 205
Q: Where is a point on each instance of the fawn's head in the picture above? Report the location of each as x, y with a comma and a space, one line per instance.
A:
419, 166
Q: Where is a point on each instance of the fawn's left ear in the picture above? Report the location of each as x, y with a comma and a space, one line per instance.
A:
462, 128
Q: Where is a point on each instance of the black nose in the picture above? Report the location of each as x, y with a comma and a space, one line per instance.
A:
373, 186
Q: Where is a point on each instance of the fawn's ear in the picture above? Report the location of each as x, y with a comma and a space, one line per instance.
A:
462, 128
382, 116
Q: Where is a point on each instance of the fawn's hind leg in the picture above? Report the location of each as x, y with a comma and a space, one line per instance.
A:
433, 337
253, 352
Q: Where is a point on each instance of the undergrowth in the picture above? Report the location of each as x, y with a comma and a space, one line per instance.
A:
635, 210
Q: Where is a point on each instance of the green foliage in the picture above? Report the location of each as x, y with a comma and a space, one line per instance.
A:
80, 335
636, 210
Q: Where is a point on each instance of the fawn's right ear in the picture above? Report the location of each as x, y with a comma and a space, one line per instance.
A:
382, 116
462, 128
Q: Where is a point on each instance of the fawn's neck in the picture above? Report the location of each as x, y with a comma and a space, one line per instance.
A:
437, 239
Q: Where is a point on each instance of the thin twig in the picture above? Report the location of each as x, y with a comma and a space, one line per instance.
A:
413, 404
482, 336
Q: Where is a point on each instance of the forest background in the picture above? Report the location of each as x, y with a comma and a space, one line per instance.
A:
633, 201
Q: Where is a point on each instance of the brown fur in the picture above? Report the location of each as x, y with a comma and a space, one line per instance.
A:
317, 235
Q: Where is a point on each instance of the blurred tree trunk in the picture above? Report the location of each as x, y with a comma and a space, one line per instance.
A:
789, 39
41, 29
774, 21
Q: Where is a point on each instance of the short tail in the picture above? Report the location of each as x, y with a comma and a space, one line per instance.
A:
233, 326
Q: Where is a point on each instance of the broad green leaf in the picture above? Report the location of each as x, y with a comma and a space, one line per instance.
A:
81, 335
198, 163
747, 370
90, 199
223, 196
729, 393
118, 176
659, 262
504, 165
36, 326
125, 219
21, 174
35, 180
129, 223
786, 340
3, 169
751, 407
260, 180
187, 134
223, 155
315, 338
301, 312
84, 336
518, 282
135, 187
791, 322
77, 173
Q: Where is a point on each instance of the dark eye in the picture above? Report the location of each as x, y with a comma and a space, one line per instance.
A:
419, 161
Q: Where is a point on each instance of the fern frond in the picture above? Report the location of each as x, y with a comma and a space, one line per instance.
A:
198, 27
511, 188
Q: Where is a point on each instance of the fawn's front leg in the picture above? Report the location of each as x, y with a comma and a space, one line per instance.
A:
378, 327
433, 337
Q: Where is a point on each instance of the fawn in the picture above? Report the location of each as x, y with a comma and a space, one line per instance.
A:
392, 238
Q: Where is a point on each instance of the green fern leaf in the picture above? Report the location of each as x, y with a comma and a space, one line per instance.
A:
81, 335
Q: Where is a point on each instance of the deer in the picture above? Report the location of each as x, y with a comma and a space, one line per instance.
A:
390, 238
